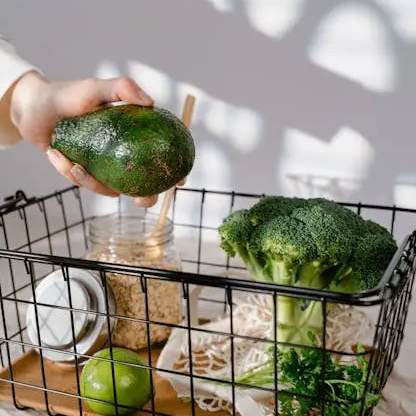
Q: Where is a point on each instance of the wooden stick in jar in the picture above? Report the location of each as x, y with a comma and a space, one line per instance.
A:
187, 113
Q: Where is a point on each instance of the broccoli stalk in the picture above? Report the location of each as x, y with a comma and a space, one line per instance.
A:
295, 317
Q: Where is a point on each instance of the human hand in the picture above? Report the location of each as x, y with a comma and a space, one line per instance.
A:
38, 104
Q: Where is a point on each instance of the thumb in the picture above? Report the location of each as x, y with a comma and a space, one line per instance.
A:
121, 89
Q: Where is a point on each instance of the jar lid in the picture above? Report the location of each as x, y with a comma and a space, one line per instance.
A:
55, 324
57, 328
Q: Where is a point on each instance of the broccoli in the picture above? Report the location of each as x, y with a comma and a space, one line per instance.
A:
374, 248
313, 243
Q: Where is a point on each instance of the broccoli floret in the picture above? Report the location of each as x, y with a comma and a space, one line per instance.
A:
284, 246
329, 231
313, 243
271, 207
235, 233
349, 217
372, 253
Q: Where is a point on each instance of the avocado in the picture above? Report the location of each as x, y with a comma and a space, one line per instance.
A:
132, 149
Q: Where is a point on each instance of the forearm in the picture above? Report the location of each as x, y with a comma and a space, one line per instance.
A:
12, 68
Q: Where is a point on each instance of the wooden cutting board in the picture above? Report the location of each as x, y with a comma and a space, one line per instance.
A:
27, 370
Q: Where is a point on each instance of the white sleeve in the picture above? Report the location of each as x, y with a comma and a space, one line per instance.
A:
12, 67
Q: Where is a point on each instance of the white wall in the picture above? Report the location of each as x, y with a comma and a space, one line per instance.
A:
294, 96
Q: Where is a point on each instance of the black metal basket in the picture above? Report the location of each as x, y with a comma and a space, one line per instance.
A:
38, 238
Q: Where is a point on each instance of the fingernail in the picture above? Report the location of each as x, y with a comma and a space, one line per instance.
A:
53, 155
79, 174
145, 97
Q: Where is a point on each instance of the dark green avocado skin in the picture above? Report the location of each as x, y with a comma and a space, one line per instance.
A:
134, 150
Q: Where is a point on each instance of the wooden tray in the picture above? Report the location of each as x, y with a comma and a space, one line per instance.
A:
27, 369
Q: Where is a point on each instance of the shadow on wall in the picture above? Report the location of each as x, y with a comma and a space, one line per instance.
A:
322, 90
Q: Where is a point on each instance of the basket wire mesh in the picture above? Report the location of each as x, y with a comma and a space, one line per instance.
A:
43, 234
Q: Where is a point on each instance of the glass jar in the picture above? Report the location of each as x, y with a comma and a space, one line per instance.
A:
131, 238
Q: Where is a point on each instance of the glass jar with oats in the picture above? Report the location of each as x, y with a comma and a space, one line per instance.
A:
132, 239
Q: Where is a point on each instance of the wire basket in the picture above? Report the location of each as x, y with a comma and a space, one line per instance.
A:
227, 324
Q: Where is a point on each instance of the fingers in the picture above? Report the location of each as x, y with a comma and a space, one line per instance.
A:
80, 177
79, 97
182, 182
147, 201
76, 174
61, 164
43, 144
122, 89
89, 182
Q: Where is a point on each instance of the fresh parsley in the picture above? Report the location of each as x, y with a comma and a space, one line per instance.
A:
309, 376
